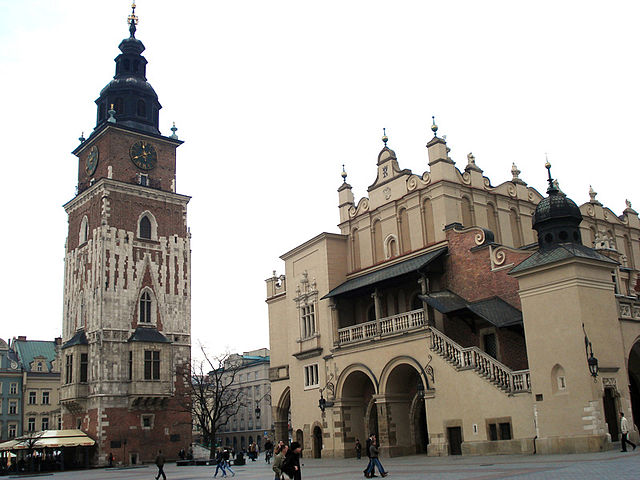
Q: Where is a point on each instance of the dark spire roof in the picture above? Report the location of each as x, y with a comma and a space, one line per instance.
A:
557, 218
133, 98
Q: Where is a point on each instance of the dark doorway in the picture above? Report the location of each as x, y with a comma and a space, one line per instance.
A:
635, 399
420, 425
455, 440
317, 442
611, 413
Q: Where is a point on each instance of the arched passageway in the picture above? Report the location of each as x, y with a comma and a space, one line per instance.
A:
282, 417
405, 429
359, 410
634, 382
317, 442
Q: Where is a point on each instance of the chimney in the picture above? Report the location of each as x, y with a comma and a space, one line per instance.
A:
58, 340
22, 338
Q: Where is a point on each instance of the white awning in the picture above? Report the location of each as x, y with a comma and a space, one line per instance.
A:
49, 439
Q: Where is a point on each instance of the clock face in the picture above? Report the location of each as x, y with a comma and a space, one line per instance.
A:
143, 155
92, 160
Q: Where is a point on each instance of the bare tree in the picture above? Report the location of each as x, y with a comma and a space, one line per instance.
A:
210, 395
29, 440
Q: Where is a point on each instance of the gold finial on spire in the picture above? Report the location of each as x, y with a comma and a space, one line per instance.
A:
385, 139
132, 20
344, 174
434, 127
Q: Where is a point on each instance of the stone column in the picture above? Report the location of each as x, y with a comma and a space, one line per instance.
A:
378, 308
335, 321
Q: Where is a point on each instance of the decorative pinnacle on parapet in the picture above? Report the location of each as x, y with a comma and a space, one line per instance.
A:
385, 139
434, 127
344, 174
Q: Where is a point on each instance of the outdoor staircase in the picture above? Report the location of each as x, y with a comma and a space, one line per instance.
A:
472, 358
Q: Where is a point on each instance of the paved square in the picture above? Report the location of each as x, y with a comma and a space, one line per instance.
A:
604, 465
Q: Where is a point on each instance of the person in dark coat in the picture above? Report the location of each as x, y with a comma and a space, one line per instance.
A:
291, 465
358, 449
375, 462
368, 472
160, 465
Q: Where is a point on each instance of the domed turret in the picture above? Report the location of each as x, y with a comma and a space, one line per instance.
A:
129, 94
557, 218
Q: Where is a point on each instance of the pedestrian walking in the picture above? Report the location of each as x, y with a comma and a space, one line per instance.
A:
367, 451
220, 463
160, 465
358, 449
110, 459
291, 465
374, 460
624, 428
227, 464
278, 460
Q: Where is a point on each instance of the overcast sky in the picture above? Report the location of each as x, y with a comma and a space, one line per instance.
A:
271, 98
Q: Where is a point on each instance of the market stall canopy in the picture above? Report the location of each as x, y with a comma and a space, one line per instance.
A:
50, 439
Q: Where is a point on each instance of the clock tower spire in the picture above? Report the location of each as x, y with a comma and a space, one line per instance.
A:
127, 285
129, 94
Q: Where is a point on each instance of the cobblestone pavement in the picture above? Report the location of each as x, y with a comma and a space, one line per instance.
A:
604, 465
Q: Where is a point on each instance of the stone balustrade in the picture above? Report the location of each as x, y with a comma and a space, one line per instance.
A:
472, 358
403, 322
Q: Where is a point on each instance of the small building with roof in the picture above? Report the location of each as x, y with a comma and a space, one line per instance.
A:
40, 368
10, 393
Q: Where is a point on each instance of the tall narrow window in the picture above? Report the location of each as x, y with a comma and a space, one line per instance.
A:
68, 378
492, 220
45, 398
84, 230
32, 398
31, 424
429, 226
405, 238
151, 365
130, 366
355, 249
378, 248
514, 221
84, 367
308, 320
467, 214
145, 227
45, 423
141, 109
145, 307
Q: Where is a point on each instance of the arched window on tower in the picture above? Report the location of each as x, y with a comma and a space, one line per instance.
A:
84, 230
127, 64
145, 228
141, 109
145, 307
119, 105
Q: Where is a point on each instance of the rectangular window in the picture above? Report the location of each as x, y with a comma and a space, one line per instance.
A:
13, 389
308, 320
45, 423
68, 370
13, 428
45, 398
84, 367
13, 407
32, 398
151, 365
130, 366
311, 376
31, 424
59, 423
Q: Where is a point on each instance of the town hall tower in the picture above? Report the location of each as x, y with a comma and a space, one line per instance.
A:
127, 288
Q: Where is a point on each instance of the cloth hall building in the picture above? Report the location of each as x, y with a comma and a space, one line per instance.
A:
454, 316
